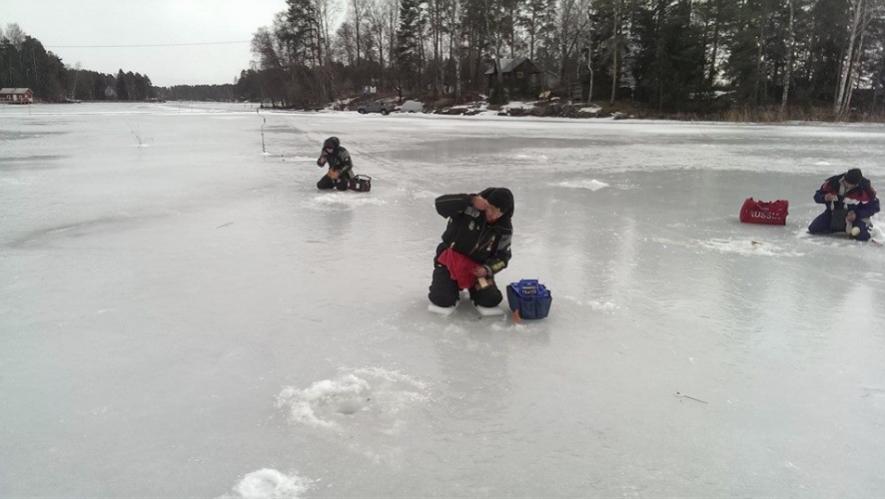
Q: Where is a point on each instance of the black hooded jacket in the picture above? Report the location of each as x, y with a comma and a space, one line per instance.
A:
470, 234
339, 159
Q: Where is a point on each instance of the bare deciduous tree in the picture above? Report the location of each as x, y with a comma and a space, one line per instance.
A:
791, 42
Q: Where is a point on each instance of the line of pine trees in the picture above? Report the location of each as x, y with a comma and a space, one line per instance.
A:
666, 55
25, 63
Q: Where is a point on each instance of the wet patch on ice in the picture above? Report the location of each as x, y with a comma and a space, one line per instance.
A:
876, 277
591, 184
838, 239
269, 484
747, 247
342, 201
625, 186
21, 135
75, 230
532, 157
454, 329
872, 391
373, 396
424, 195
874, 395
15, 181
470, 334
304, 159
12, 162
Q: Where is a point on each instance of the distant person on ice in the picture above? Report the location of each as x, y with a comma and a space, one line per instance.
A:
475, 246
850, 202
340, 167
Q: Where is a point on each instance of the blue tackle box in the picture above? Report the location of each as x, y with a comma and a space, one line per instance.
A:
530, 298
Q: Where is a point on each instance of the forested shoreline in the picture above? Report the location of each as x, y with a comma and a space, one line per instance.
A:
817, 59
25, 63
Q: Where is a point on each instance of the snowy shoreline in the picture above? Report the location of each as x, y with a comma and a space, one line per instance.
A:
205, 107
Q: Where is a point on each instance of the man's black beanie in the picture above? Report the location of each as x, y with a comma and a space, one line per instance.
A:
854, 176
500, 197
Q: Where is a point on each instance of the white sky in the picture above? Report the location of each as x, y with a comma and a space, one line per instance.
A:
128, 22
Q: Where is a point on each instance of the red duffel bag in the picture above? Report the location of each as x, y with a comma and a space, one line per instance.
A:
765, 212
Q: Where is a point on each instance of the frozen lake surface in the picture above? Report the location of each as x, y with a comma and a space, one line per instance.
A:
184, 316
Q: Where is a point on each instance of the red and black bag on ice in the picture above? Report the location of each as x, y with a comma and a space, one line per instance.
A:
765, 212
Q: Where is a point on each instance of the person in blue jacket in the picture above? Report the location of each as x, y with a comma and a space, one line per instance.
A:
850, 202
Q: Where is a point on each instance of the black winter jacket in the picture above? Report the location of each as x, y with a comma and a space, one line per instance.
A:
339, 161
468, 232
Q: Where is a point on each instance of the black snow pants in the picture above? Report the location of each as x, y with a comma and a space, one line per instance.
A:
328, 182
444, 291
821, 225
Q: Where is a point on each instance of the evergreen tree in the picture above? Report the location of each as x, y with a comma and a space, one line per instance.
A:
121, 86
670, 61
302, 34
248, 86
8, 55
407, 44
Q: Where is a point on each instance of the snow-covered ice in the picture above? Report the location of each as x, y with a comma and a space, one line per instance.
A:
178, 310
269, 484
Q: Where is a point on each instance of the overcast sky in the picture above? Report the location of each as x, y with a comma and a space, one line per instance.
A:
127, 22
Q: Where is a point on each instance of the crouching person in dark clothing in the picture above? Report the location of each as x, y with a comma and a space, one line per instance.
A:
475, 246
340, 166
850, 202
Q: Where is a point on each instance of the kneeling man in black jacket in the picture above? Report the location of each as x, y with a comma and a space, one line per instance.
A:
475, 246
